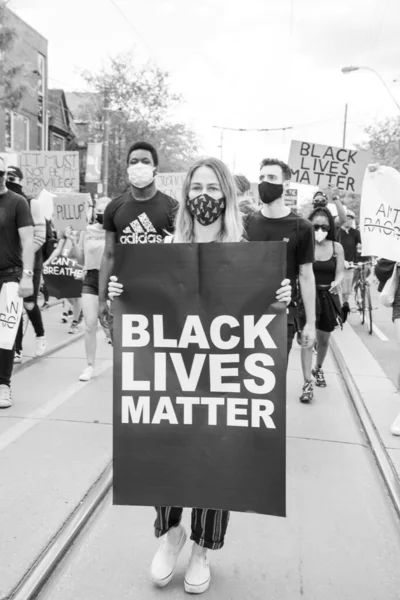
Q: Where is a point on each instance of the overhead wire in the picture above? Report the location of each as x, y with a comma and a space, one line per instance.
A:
141, 38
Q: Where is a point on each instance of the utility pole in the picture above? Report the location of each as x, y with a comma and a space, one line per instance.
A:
345, 126
106, 141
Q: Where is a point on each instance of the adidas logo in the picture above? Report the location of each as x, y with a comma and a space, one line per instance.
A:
140, 231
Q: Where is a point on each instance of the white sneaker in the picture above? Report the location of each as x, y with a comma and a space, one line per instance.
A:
86, 374
164, 563
5, 396
41, 346
17, 358
198, 574
395, 428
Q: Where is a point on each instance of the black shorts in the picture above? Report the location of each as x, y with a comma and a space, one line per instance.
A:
91, 283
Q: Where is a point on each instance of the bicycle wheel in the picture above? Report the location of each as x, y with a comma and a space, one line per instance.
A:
360, 302
368, 310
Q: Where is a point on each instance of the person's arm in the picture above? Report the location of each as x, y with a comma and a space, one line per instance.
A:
341, 213
26, 283
77, 246
339, 275
106, 270
39, 225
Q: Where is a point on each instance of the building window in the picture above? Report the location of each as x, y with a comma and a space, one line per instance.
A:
16, 132
57, 142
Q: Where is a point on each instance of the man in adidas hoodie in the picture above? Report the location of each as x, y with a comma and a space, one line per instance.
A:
142, 215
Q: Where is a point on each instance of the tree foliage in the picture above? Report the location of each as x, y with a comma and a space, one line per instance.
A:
383, 141
13, 83
141, 104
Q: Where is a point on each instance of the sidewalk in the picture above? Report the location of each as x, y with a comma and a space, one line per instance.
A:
380, 395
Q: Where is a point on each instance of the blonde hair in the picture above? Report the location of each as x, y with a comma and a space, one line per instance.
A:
231, 219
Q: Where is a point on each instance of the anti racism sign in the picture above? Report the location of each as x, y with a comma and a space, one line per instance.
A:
49, 170
70, 210
63, 278
171, 184
199, 377
10, 314
380, 214
319, 165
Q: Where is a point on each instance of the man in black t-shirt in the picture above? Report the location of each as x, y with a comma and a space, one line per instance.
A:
276, 222
16, 264
350, 239
143, 215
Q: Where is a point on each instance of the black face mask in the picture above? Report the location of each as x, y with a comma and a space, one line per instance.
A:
269, 192
206, 209
100, 219
14, 187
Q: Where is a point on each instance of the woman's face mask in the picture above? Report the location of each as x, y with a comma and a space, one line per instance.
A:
141, 175
320, 232
206, 209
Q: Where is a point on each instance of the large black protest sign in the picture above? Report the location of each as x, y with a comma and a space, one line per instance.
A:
199, 377
63, 278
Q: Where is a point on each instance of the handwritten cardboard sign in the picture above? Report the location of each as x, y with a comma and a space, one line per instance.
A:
319, 165
49, 170
70, 210
171, 184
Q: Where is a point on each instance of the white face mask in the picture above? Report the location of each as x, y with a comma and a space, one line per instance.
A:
141, 175
320, 235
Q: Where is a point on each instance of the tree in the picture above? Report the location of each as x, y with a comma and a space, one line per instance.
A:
13, 85
383, 141
141, 104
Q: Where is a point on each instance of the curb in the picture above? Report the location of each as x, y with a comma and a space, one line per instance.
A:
42, 569
53, 350
379, 451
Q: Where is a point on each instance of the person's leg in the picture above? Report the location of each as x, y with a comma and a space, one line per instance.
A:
307, 393
18, 341
347, 287
168, 526
35, 314
76, 304
90, 307
322, 349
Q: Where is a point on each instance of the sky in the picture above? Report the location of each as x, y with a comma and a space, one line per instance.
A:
240, 63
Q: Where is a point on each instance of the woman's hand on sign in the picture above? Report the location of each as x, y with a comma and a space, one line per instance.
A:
335, 287
115, 289
68, 233
284, 294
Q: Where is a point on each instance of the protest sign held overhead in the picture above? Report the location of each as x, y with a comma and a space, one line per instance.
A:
319, 165
171, 184
199, 377
10, 314
49, 170
63, 277
380, 214
70, 210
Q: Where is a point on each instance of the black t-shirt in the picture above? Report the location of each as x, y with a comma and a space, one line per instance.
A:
349, 242
140, 222
14, 214
297, 232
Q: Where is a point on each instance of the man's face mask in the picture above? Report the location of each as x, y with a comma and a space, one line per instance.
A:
141, 175
205, 209
269, 192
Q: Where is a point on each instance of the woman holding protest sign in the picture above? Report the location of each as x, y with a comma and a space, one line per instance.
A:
329, 272
89, 253
209, 212
65, 247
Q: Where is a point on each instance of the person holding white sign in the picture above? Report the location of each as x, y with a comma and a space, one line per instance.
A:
16, 265
208, 182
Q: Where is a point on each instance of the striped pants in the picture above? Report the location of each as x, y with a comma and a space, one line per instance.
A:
208, 526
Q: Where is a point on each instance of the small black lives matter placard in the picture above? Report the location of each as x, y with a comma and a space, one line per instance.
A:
63, 278
319, 165
199, 377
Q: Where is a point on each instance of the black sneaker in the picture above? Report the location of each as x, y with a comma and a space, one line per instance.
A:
307, 394
319, 377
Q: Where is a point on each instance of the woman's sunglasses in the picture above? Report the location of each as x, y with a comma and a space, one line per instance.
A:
323, 227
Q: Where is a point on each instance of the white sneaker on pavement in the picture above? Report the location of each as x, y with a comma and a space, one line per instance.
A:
86, 374
5, 396
164, 562
198, 574
395, 428
41, 346
17, 358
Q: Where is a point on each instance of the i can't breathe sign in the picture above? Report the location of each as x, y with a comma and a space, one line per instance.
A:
199, 377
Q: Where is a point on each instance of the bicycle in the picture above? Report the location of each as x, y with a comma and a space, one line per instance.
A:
362, 294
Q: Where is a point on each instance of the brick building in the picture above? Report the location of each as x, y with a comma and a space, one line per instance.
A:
26, 128
62, 129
